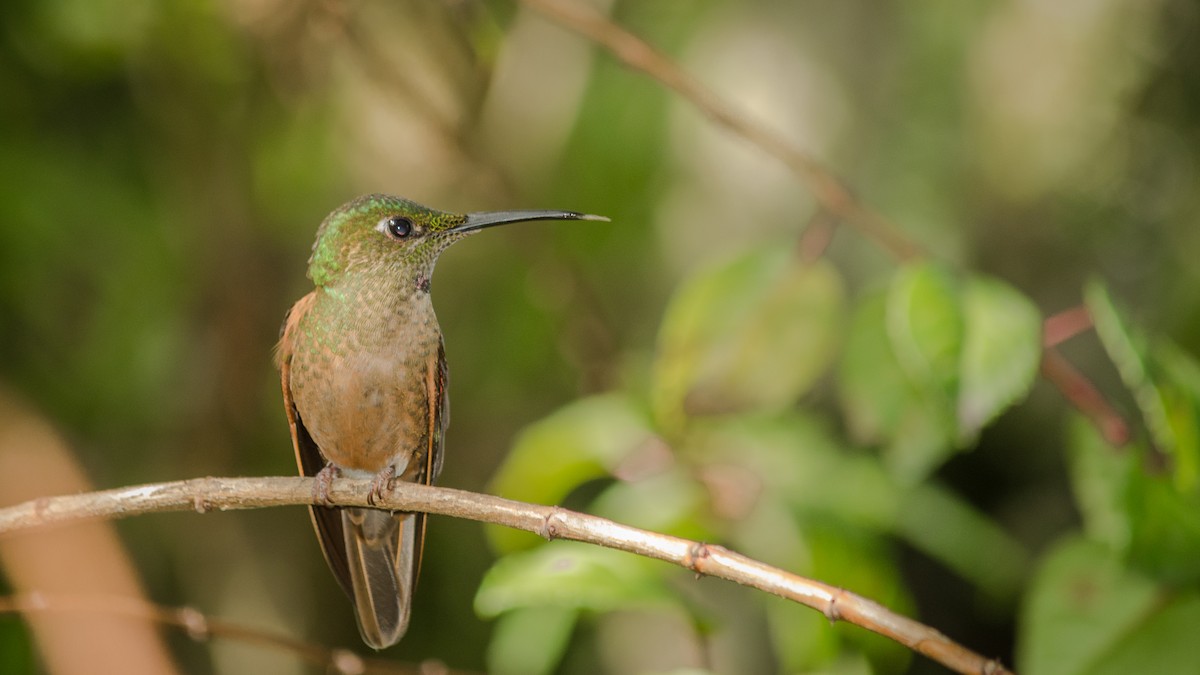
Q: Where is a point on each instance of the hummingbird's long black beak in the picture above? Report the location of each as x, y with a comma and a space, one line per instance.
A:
478, 221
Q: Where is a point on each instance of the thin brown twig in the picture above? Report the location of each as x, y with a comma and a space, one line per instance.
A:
1064, 325
222, 494
1081, 393
833, 194
816, 237
201, 628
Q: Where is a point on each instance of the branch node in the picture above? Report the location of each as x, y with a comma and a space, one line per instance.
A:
200, 504
549, 530
346, 662
696, 554
832, 612
194, 623
40, 506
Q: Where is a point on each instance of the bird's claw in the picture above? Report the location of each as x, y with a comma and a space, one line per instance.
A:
380, 484
323, 483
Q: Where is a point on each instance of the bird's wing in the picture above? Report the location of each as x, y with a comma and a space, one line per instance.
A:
326, 521
437, 419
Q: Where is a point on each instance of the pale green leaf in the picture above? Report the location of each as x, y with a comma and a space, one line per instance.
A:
874, 392
1164, 645
1001, 352
530, 641
1127, 349
1100, 476
579, 442
570, 575
883, 405
925, 325
670, 502
793, 458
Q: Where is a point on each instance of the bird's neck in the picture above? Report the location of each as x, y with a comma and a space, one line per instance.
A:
377, 310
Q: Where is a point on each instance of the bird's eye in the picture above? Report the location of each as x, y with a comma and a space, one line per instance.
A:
397, 227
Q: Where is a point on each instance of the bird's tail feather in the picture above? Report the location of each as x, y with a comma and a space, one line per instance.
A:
381, 552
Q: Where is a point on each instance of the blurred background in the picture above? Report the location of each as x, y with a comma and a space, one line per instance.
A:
164, 167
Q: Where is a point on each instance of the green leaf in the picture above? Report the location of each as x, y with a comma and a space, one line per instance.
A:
1165, 536
791, 458
838, 553
863, 563
754, 333
1001, 352
1087, 615
1180, 374
1144, 515
1128, 352
928, 365
1161, 493
882, 404
1100, 476
669, 502
570, 575
1165, 644
530, 641
802, 639
577, 443
922, 442
873, 391
926, 326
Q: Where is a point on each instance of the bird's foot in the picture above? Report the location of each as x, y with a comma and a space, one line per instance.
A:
322, 483
380, 484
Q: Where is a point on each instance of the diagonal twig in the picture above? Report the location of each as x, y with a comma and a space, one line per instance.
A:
832, 193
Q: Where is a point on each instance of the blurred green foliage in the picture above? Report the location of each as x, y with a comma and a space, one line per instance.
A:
689, 368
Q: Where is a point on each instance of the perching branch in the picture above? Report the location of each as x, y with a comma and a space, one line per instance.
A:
224, 494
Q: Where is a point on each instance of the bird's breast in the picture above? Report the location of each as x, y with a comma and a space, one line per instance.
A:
365, 403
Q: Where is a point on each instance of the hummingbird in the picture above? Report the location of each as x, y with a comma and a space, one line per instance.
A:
364, 374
